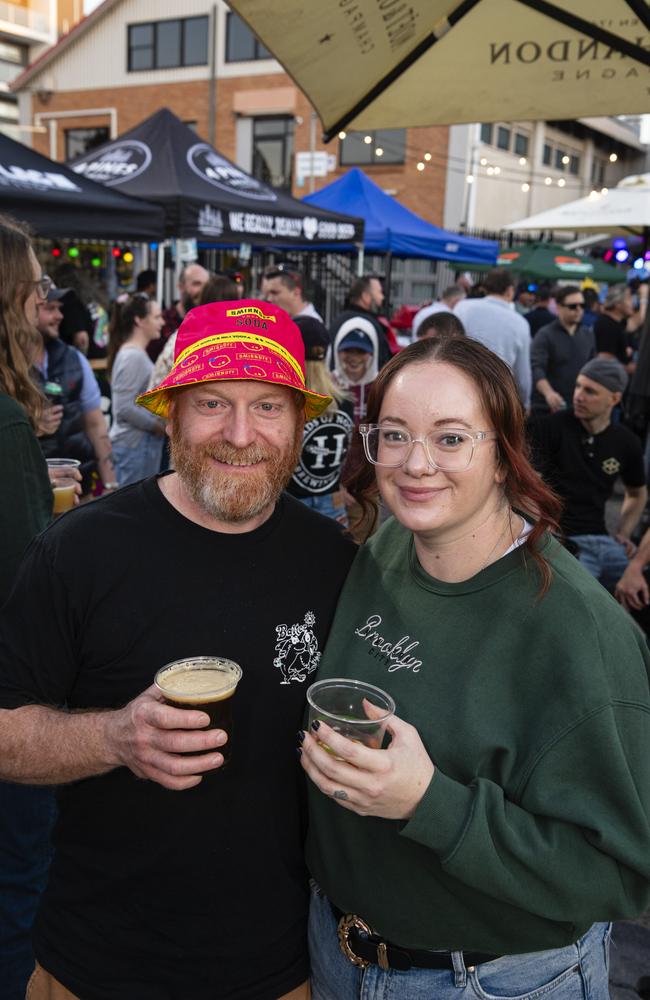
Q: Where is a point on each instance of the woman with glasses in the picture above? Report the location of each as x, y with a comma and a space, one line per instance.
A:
26, 814
136, 435
482, 851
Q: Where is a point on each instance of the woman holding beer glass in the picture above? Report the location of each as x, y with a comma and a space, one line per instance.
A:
484, 851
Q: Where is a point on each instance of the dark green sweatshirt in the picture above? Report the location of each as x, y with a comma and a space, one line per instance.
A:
25, 491
536, 714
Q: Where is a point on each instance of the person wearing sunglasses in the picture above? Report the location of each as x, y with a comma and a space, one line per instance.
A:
484, 848
558, 352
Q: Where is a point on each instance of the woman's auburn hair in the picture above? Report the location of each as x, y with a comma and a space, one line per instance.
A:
19, 340
523, 487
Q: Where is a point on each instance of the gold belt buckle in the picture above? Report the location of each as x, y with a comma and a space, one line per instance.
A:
346, 923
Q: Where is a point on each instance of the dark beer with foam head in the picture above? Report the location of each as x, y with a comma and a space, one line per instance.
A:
206, 684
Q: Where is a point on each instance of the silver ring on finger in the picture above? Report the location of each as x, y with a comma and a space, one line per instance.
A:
340, 794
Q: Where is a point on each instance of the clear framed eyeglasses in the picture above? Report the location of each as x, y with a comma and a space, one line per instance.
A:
447, 449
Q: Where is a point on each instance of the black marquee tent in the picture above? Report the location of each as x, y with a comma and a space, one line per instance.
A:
58, 204
205, 196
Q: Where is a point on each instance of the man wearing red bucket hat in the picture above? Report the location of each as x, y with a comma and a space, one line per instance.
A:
199, 895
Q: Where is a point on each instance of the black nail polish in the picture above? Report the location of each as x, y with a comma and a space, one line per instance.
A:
301, 736
315, 725
299, 752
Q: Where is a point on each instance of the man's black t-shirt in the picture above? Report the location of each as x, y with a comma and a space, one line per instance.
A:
611, 337
583, 468
154, 894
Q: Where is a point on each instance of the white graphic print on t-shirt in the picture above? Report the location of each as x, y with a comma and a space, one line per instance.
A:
297, 650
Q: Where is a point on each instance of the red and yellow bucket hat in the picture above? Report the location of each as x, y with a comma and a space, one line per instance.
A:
244, 339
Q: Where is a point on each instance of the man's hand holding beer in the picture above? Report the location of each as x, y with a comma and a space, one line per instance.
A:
155, 741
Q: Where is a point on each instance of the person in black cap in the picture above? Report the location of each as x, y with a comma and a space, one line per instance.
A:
582, 453
316, 480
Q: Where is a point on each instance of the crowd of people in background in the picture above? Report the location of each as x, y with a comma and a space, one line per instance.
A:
547, 335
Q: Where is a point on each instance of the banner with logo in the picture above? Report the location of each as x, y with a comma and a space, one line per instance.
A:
58, 204
204, 195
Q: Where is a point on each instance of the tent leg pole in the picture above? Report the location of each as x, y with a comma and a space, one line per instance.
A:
160, 272
360, 262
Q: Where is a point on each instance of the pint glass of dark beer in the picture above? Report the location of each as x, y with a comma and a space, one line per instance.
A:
205, 683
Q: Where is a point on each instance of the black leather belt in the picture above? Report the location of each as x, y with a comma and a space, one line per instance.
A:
362, 947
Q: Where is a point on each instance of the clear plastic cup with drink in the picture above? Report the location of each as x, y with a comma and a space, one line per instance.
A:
63, 485
356, 710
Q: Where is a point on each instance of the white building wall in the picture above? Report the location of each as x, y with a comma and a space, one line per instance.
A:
100, 58
504, 190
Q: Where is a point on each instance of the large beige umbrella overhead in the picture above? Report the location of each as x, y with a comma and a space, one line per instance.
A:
622, 210
368, 64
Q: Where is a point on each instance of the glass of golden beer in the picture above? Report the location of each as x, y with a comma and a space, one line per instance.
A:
344, 705
64, 486
204, 683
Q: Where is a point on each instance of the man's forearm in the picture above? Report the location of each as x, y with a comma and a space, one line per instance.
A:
631, 511
46, 746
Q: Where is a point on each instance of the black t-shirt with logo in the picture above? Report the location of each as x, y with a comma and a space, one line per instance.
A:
583, 468
155, 894
611, 337
324, 447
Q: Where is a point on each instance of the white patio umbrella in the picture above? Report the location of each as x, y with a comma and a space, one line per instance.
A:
622, 210
369, 64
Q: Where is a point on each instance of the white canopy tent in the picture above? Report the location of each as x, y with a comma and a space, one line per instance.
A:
620, 211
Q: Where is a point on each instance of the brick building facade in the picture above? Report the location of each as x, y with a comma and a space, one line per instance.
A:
105, 76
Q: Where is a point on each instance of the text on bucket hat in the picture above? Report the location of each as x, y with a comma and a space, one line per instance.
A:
240, 340
607, 372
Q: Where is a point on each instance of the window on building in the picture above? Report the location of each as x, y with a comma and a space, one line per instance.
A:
80, 140
598, 171
241, 44
521, 144
547, 156
385, 145
574, 165
12, 60
503, 137
486, 133
166, 44
273, 151
560, 156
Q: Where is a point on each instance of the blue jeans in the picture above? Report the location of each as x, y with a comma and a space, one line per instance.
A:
577, 972
26, 818
602, 556
134, 464
325, 506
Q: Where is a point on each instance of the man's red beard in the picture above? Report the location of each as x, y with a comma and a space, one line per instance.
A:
233, 498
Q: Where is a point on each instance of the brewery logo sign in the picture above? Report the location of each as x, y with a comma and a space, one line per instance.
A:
214, 169
122, 161
210, 221
310, 226
324, 444
26, 179
296, 648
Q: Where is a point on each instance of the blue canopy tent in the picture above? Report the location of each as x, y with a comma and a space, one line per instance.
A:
392, 229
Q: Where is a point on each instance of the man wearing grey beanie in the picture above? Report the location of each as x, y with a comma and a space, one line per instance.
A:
582, 453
